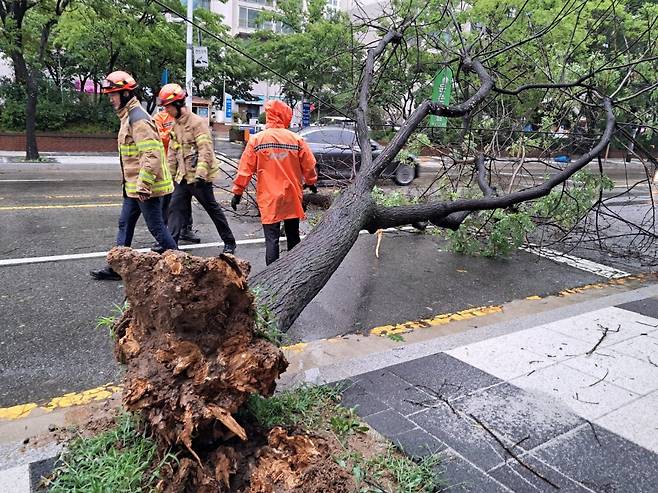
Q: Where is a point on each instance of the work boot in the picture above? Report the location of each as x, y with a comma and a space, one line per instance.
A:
229, 249
158, 249
105, 274
187, 234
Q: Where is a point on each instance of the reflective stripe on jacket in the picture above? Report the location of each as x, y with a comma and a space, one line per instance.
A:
191, 152
142, 155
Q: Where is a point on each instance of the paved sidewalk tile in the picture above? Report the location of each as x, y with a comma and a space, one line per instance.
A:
15, 480
356, 396
520, 353
574, 389
625, 371
519, 479
531, 419
417, 443
463, 435
647, 307
458, 476
589, 327
641, 347
389, 423
637, 421
445, 375
602, 461
392, 390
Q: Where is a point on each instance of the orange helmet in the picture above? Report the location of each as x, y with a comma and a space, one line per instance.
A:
118, 81
170, 93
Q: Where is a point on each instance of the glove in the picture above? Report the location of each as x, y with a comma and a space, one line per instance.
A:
235, 201
312, 188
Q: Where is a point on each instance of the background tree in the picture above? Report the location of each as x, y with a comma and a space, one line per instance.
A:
26, 34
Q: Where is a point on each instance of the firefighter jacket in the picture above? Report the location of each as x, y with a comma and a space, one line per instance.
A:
191, 153
143, 162
279, 158
165, 122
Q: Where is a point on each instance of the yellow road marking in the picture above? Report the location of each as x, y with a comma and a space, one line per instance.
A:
102, 195
58, 206
442, 319
16, 412
534, 297
295, 348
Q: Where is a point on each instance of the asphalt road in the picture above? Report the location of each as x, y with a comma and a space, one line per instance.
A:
49, 342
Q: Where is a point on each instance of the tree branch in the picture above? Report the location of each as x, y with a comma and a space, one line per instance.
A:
440, 212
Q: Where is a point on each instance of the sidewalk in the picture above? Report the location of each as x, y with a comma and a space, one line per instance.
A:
550, 394
573, 400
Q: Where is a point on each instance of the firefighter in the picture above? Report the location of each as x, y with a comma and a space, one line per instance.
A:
193, 164
280, 158
165, 122
146, 177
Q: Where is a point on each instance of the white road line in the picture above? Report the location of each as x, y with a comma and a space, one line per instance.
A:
577, 262
46, 180
80, 256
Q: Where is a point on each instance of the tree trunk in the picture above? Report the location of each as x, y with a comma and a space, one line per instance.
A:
26, 78
31, 149
294, 280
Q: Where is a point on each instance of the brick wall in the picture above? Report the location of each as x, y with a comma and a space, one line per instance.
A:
60, 142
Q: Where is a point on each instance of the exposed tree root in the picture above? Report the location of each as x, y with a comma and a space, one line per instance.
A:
193, 358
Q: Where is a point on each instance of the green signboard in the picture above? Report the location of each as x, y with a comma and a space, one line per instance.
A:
441, 93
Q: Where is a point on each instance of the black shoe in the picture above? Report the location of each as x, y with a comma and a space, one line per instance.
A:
189, 235
158, 249
229, 249
105, 274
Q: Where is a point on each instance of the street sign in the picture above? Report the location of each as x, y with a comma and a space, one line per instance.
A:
441, 94
228, 107
200, 56
306, 114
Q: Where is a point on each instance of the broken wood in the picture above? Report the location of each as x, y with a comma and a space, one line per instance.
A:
605, 333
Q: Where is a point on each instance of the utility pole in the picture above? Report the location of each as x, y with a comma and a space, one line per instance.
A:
188, 54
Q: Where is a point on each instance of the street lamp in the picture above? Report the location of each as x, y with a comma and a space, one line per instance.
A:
188, 54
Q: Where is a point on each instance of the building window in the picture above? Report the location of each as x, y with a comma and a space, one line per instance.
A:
269, 3
248, 18
334, 4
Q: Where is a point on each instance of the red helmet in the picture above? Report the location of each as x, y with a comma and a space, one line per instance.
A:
118, 81
170, 93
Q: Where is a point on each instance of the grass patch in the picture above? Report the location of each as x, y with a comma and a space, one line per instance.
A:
391, 471
109, 321
305, 406
266, 326
315, 408
118, 460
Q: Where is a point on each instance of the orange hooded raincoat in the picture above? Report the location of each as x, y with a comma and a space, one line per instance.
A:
280, 158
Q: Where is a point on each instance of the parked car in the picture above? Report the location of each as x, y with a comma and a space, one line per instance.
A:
339, 156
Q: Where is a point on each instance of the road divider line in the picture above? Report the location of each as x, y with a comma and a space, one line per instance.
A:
577, 262
58, 206
81, 256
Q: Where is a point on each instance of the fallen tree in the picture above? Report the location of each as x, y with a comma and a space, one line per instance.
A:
193, 357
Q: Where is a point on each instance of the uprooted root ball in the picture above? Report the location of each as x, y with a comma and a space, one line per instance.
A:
193, 358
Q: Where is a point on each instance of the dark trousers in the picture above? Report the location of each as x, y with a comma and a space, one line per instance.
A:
151, 209
166, 201
181, 208
272, 233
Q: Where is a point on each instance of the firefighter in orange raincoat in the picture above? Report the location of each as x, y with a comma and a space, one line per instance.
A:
281, 159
